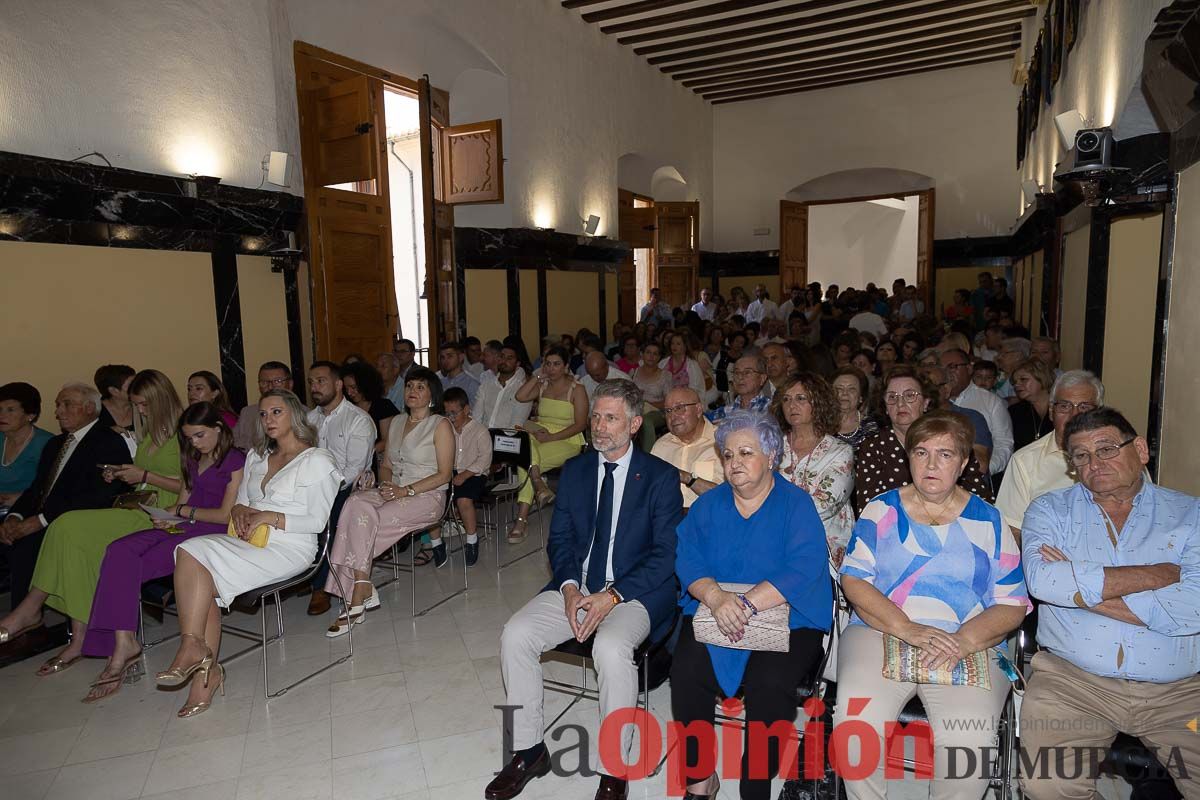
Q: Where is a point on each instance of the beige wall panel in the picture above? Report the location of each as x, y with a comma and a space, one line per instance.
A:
1074, 290
264, 318
72, 308
529, 313
1179, 457
487, 303
573, 302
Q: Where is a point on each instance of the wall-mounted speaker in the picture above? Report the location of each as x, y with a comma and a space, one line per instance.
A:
591, 225
277, 168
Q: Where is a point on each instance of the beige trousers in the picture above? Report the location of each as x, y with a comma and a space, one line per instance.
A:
959, 716
1068, 710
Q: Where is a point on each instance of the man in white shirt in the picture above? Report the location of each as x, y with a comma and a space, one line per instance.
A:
867, 321
599, 369
763, 307
964, 392
793, 303
690, 446
473, 351
1041, 466
349, 434
496, 405
705, 309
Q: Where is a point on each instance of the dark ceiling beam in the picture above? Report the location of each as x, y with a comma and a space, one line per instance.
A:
815, 85
854, 70
641, 7
724, 22
846, 63
864, 38
837, 24
688, 14
581, 3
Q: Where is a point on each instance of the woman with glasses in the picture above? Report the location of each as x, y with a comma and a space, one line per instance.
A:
882, 462
852, 389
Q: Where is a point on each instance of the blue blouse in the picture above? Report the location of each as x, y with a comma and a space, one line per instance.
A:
18, 476
782, 542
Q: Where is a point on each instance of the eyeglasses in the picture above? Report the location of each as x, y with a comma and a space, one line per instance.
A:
679, 409
276, 382
794, 398
1067, 407
1081, 458
909, 397
742, 373
956, 366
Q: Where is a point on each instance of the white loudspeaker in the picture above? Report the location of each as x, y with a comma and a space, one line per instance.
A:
592, 225
1030, 189
1069, 123
277, 168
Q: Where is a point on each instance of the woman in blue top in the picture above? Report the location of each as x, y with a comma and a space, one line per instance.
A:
21, 442
755, 528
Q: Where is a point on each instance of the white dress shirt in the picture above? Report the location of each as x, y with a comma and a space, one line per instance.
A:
1033, 470
619, 476
995, 411
496, 405
869, 322
348, 433
475, 369
762, 309
614, 373
706, 311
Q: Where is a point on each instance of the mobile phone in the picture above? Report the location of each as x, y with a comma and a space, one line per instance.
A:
106, 466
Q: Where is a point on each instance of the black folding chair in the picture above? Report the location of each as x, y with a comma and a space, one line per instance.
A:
451, 526
511, 449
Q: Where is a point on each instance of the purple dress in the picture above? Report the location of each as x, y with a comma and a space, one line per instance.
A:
143, 556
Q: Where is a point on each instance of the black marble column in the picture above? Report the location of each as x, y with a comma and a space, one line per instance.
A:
514, 300
229, 319
291, 295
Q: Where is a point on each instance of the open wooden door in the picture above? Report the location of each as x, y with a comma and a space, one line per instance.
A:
925, 220
677, 252
636, 227
346, 192
463, 164
793, 246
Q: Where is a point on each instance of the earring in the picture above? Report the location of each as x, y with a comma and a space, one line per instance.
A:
431, 404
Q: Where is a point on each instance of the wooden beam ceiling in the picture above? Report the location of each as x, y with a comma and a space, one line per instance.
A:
714, 47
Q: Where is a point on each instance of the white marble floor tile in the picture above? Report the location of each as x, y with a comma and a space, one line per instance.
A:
380, 774
288, 746
111, 779
36, 751
311, 781
358, 695
373, 730
195, 764
462, 757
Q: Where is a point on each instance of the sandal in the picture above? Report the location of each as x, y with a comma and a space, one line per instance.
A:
352, 616
192, 709
130, 673
57, 665
518, 531
177, 676
7, 636
422, 558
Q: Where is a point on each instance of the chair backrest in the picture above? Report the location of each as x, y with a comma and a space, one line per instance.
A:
511, 447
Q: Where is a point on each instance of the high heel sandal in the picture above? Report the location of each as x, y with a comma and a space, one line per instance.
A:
178, 676
130, 673
192, 709
354, 615
513, 536
712, 795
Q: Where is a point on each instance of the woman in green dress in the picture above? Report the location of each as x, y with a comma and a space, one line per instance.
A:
68, 565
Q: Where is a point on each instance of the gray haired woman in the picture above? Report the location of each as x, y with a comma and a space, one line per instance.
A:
756, 528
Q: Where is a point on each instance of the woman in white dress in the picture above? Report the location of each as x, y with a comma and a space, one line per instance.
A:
288, 484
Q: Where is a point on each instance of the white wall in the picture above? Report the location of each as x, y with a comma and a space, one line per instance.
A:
853, 244
176, 86
956, 126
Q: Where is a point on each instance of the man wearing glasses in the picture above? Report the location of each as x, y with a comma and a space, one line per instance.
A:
964, 392
1115, 561
747, 380
1042, 466
271, 375
691, 444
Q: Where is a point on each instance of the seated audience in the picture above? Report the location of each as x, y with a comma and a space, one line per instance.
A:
630, 356
68, 565
363, 386
1030, 415
714, 343
212, 473
775, 357
984, 375
690, 444
555, 435
451, 360
867, 320
1047, 351
1113, 561
960, 308
653, 381
1042, 466
886, 356
598, 369
813, 458
866, 363
844, 348
763, 308
748, 387
205, 387
496, 404
881, 462
405, 351
684, 369
472, 462
982, 444
735, 343
936, 568
756, 529
656, 310
909, 347
67, 479
852, 390
473, 355
21, 441
1013, 352
112, 381
271, 375
410, 497
288, 485
616, 581
965, 393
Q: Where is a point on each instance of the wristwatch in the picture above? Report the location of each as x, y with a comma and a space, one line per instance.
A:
410, 491
691, 481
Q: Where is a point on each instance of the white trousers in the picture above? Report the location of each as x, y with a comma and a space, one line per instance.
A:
540, 625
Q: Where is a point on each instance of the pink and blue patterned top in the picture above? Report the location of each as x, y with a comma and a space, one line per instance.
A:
940, 575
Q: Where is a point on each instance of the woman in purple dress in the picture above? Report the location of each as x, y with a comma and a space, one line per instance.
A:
212, 470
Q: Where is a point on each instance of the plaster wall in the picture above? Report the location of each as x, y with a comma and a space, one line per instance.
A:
853, 244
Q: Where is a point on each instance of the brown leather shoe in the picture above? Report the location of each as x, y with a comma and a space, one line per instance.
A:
512, 778
319, 603
612, 788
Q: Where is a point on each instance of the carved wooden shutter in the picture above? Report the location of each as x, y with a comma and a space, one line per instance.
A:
793, 246
474, 163
677, 252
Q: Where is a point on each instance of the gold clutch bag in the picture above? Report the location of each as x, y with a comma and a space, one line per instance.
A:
133, 501
258, 537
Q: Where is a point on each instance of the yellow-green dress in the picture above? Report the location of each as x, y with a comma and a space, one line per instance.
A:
68, 566
554, 416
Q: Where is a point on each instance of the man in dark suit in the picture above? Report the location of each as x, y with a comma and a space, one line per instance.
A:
68, 478
612, 550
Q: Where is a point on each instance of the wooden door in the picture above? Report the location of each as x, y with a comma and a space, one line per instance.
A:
925, 220
635, 227
677, 252
793, 246
346, 192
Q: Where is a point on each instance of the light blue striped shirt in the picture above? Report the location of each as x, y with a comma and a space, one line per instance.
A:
1163, 527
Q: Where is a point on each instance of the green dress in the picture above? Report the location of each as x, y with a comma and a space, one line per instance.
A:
68, 566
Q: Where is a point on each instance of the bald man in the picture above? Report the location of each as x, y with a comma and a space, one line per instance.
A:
690, 446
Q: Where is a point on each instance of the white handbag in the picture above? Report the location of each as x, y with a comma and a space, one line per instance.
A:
767, 630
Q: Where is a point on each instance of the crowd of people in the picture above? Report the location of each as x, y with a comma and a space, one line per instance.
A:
937, 473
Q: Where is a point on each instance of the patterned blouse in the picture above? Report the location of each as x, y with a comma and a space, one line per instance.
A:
868, 426
882, 465
827, 474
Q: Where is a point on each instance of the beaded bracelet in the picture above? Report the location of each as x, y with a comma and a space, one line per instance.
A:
748, 604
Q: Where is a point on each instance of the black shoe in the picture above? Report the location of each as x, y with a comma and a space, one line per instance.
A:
472, 551
439, 556
512, 779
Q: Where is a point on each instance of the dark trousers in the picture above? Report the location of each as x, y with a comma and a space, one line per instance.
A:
335, 512
22, 558
769, 684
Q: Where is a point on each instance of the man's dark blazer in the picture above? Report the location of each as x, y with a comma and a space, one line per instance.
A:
644, 551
